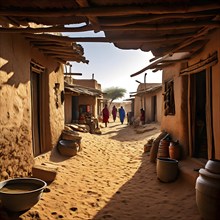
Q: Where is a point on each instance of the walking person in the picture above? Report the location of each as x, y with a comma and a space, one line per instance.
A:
121, 115
105, 115
114, 112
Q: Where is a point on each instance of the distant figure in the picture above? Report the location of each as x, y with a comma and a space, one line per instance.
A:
105, 115
114, 112
122, 115
142, 117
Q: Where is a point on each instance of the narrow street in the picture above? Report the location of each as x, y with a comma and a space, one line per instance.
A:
111, 178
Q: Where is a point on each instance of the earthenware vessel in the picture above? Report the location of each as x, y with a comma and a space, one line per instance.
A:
167, 169
208, 190
20, 194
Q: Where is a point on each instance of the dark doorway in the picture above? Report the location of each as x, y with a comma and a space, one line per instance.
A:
35, 114
201, 148
154, 108
75, 109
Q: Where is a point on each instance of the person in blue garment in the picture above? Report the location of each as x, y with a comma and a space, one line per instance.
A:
121, 114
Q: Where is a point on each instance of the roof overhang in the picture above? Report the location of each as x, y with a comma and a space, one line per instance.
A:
163, 26
165, 61
78, 90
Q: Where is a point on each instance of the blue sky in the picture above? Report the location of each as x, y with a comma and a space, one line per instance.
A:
112, 66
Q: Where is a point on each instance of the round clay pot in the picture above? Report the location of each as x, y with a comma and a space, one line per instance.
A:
167, 169
68, 147
21, 194
208, 191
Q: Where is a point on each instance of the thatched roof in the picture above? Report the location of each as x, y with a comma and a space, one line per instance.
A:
161, 26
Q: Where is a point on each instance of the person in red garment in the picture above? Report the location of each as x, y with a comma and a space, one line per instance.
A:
105, 115
114, 112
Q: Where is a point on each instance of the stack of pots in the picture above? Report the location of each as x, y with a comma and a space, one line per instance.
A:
208, 190
167, 168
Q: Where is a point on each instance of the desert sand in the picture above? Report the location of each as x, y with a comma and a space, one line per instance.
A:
111, 178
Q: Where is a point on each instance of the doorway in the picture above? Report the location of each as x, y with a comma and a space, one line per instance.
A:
37, 113
154, 108
200, 128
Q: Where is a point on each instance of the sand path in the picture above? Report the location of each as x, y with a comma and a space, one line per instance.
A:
111, 178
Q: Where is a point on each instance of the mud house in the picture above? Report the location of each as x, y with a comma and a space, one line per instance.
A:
32, 109
148, 97
191, 103
82, 97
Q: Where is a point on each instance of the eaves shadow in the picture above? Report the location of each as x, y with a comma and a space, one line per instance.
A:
129, 133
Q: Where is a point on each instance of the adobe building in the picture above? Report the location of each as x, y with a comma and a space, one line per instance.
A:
82, 97
31, 94
148, 97
192, 94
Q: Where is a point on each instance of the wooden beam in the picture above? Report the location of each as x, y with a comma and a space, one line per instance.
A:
54, 48
151, 66
165, 27
117, 21
147, 27
112, 10
46, 29
198, 36
73, 74
108, 40
92, 19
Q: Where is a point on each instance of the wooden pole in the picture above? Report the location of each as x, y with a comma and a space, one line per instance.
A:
112, 10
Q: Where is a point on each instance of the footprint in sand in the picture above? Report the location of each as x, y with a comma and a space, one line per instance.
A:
73, 209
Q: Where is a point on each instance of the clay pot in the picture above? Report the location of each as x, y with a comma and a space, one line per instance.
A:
68, 148
208, 191
21, 194
71, 136
174, 150
163, 150
167, 169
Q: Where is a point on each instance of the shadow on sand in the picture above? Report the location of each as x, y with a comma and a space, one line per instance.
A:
139, 197
129, 133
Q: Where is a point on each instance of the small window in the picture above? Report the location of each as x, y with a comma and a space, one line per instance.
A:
169, 103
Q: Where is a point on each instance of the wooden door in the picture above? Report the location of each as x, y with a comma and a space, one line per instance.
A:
35, 114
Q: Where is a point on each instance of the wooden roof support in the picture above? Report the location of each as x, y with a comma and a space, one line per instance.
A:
167, 26
200, 35
46, 29
94, 20
148, 27
115, 21
57, 49
50, 37
112, 10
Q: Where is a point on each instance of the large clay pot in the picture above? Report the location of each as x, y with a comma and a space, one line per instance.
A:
167, 169
174, 150
208, 190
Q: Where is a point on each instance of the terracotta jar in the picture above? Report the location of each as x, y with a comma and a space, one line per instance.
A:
174, 150
163, 150
208, 190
